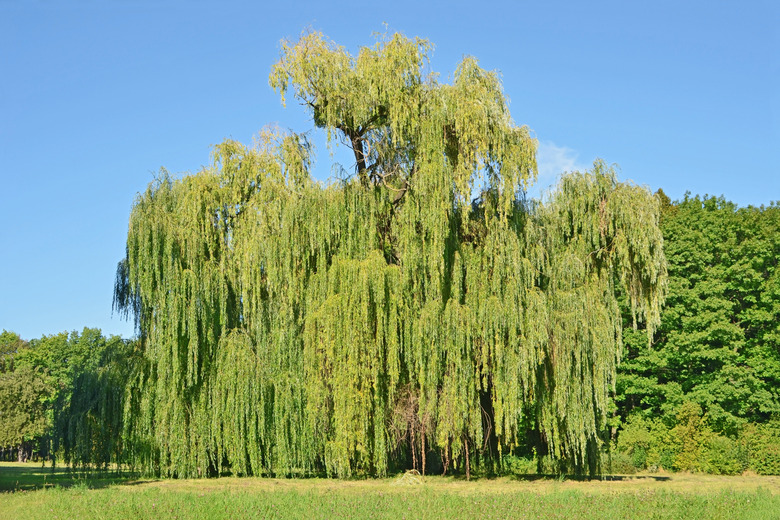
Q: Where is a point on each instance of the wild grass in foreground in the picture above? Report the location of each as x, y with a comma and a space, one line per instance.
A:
672, 497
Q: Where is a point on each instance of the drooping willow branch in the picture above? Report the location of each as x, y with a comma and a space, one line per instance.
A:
291, 327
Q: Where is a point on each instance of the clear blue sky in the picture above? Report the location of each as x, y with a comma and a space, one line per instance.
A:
96, 96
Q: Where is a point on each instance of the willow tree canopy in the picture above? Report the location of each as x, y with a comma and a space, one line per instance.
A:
419, 307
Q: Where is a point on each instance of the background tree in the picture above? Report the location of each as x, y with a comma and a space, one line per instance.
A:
10, 344
24, 404
80, 380
717, 344
89, 429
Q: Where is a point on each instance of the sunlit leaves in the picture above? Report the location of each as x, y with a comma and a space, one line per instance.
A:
420, 306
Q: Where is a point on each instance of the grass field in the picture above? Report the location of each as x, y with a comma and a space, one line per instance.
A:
30, 491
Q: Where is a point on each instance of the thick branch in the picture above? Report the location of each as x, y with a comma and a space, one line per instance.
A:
360, 156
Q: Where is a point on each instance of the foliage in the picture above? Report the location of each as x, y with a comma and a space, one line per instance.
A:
420, 305
520, 466
24, 400
89, 428
725, 456
648, 443
10, 344
691, 445
688, 438
718, 341
762, 443
79, 380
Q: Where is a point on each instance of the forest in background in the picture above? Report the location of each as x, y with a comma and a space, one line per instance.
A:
705, 395
702, 397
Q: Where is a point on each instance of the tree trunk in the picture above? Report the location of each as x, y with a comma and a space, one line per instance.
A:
414, 451
360, 157
468, 465
422, 452
446, 457
490, 442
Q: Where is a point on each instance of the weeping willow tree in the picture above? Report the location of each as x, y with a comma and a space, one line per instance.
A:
417, 307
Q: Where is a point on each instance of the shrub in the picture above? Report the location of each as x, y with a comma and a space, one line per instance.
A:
515, 465
634, 443
647, 444
724, 456
619, 463
762, 443
690, 436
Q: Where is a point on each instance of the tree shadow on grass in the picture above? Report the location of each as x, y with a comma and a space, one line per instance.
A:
32, 476
15, 477
579, 478
533, 477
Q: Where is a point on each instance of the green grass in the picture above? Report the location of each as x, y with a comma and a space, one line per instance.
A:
669, 496
33, 476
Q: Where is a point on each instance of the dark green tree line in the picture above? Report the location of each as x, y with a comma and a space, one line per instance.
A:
62, 397
24, 419
718, 345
